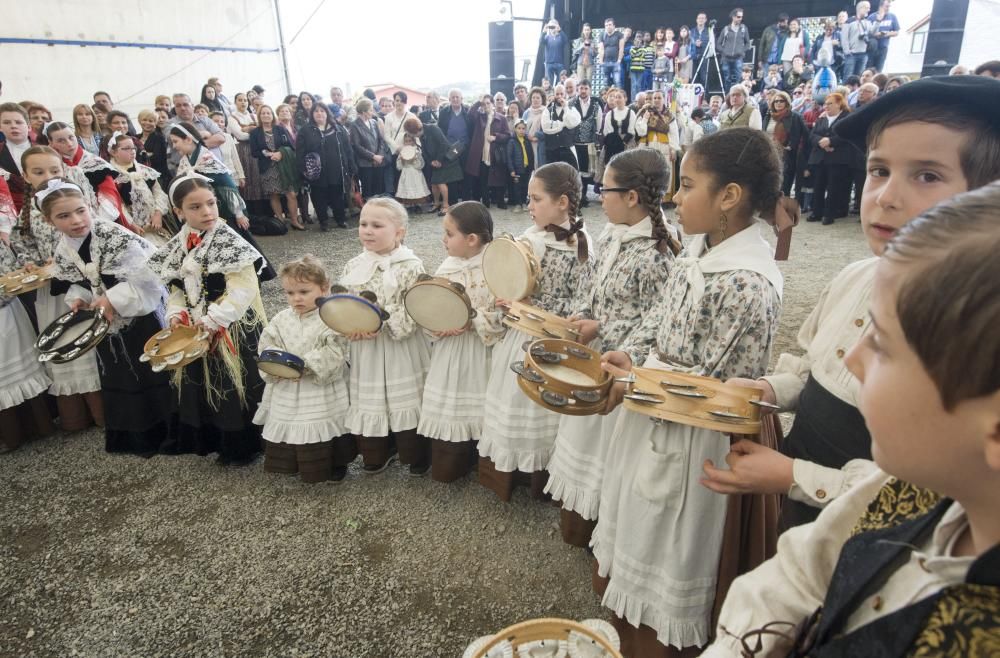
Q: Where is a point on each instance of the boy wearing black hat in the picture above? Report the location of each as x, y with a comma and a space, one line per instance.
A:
939, 138
937, 141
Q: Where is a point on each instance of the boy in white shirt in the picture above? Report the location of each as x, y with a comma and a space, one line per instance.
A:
923, 148
916, 575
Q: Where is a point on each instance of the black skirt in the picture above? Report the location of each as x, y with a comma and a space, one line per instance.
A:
227, 427
136, 399
827, 431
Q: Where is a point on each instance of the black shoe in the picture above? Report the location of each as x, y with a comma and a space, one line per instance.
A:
584, 202
502, 206
339, 473
324, 226
814, 218
419, 470
487, 204
341, 224
827, 221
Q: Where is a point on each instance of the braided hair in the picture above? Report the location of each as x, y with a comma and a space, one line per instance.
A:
562, 179
647, 172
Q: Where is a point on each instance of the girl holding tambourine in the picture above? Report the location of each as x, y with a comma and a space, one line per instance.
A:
388, 366
101, 266
455, 391
304, 418
658, 529
211, 276
635, 252
518, 434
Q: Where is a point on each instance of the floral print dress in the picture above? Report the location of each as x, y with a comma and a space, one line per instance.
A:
630, 283
659, 532
519, 434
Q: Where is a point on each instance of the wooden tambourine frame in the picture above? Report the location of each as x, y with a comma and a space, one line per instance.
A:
417, 304
172, 349
499, 257
545, 629
719, 406
557, 394
18, 282
539, 323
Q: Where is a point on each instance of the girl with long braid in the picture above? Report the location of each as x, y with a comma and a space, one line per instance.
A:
636, 251
518, 434
659, 536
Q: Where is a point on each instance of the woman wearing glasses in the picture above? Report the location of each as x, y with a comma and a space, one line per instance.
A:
143, 198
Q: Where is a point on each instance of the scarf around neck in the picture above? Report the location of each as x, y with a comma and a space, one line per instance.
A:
363, 267
747, 250
454, 264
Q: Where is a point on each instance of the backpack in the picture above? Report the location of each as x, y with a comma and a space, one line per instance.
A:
267, 225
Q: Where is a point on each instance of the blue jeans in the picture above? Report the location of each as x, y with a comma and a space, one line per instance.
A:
552, 70
732, 72
854, 64
636, 77
879, 61
612, 73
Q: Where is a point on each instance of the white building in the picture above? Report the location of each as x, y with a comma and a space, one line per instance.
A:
906, 51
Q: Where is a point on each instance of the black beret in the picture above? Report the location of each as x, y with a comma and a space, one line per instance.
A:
976, 94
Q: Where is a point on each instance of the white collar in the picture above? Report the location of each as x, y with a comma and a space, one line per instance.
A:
747, 250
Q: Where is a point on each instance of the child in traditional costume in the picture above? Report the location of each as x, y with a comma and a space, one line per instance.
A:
658, 538
635, 252
23, 412
76, 385
388, 367
144, 201
211, 275
455, 391
518, 434
304, 417
102, 266
185, 139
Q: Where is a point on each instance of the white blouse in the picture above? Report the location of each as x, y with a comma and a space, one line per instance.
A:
793, 584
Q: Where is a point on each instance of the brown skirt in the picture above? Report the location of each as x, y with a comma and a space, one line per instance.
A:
751, 531
450, 460
502, 483
576, 530
27, 421
638, 642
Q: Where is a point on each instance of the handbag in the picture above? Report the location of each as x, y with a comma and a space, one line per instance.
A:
455, 151
312, 167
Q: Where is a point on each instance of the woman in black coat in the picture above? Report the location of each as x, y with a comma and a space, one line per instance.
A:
273, 147
831, 160
327, 163
787, 129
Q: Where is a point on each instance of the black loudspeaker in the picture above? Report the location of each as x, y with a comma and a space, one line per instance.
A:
944, 36
502, 74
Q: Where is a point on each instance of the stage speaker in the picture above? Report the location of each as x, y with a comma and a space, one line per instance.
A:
944, 36
502, 74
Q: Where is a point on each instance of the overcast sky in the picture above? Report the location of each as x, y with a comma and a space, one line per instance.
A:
411, 43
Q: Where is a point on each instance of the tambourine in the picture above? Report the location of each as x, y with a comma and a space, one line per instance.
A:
21, 281
172, 349
351, 314
71, 336
693, 400
564, 377
281, 364
437, 304
592, 638
407, 153
539, 323
510, 268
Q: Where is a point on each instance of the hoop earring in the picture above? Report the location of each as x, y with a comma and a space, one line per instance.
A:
723, 223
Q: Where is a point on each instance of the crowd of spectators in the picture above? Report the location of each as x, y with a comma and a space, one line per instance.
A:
620, 90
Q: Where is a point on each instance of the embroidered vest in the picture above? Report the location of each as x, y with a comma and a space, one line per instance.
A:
960, 620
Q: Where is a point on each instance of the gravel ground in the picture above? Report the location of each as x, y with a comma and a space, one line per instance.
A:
106, 555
